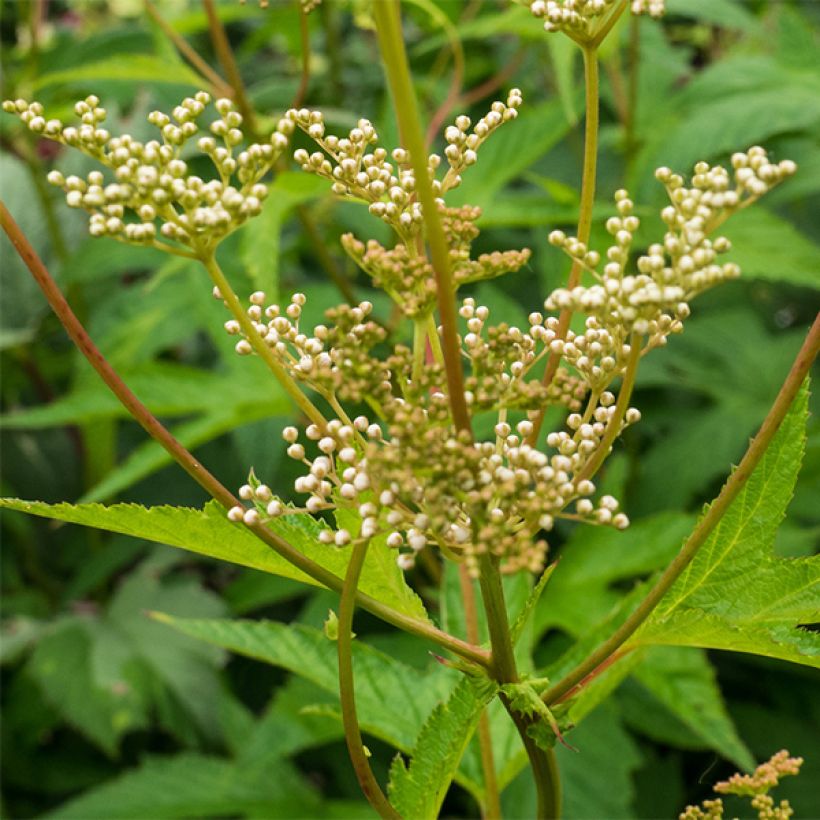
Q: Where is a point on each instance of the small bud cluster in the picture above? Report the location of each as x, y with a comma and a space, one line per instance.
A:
501, 358
570, 15
361, 171
756, 785
577, 17
654, 8
150, 196
409, 278
334, 360
655, 300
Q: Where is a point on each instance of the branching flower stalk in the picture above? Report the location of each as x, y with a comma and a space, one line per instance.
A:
388, 452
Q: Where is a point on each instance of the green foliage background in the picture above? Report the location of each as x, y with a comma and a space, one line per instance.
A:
109, 713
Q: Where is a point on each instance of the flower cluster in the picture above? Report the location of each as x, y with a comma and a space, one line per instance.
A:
408, 277
149, 195
756, 785
361, 171
654, 300
578, 16
408, 476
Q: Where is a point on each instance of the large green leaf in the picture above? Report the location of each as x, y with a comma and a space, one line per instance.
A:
418, 790
736, 594
208, 532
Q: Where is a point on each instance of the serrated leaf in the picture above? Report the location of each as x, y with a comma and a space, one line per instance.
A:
418, 790
208, 532
393, 699
735, 594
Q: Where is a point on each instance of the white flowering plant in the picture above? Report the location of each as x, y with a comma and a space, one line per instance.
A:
441, 453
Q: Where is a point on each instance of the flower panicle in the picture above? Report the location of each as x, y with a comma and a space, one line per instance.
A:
146, 192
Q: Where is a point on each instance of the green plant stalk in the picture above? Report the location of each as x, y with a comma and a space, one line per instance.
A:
503, 669
347, 695
387, 15
257, 342
218, 85
304, 39
734, 484
219, 38
590, 168
197, 471
491, 809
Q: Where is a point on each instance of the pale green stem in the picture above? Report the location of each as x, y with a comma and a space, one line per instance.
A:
259, 345
388, 26
715, 512
347, 695
591, 126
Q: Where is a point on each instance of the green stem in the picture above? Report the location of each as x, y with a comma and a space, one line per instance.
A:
491, 808
258, 343
387, 15
731, 489
347, 695
419, 346
218, 85
591, 127
205, 479
304, 37
222, 46
503, 669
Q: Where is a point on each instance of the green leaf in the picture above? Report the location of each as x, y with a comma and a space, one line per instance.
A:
684, 682
418, 790
522, 620
259, 241
736, 594
167, 389
767, 247
61, 665
150, 456
194, 785
208, 532
381, 681
727, 13
132, 68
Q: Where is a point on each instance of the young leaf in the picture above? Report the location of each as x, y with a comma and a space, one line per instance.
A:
418, 790
736, 594
208, 532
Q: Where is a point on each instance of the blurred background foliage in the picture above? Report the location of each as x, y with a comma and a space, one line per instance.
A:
109, 714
